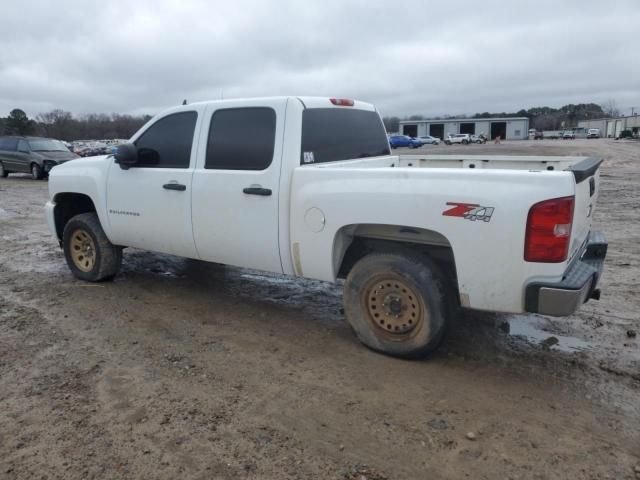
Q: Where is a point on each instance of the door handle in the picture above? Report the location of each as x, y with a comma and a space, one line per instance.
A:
264, 192
175, 186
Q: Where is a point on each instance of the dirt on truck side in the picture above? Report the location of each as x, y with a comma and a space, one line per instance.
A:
182, 369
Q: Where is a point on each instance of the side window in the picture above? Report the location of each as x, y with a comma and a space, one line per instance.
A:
8, 144
241, 139
167, 143
23, 147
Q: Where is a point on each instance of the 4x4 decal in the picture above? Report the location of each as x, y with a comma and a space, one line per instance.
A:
470, 211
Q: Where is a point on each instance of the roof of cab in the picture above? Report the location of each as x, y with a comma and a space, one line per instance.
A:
307, 102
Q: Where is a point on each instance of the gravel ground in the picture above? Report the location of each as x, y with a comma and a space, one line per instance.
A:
180, 369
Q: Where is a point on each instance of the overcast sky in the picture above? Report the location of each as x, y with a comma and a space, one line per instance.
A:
412, 58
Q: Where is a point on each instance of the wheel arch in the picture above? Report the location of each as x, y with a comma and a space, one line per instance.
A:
353, 242
68, 205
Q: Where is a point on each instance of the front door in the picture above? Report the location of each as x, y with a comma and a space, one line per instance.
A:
22, 157
235, 185
149, 205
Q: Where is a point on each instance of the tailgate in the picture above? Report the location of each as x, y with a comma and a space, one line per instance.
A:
587, 177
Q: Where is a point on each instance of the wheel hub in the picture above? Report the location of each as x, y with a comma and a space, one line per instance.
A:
393, 306
83, 250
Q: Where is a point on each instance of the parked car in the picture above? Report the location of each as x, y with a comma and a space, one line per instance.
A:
463, 138
315, 193
429, 140
625, 134
404, 141
93, 149
478, 138
568, 135
538, 135
34, 155
593, 133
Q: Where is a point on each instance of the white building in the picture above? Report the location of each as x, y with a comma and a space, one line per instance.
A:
510, 128
613, 127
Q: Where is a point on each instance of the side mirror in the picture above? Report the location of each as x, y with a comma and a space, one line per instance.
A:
126, 156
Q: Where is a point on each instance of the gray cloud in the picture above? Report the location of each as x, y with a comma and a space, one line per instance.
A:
407, 58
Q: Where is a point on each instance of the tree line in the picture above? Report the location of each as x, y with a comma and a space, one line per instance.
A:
540, 118
64, 125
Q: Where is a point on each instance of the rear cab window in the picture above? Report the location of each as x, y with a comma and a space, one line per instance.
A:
334, 134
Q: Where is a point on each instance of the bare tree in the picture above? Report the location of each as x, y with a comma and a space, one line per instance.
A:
611, 108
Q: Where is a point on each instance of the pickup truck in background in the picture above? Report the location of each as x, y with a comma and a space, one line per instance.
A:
552, 134
308, 187
593, 133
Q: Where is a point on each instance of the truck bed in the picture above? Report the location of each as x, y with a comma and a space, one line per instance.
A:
493, 162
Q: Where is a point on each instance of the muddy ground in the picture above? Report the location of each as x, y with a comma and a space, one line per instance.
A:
180, 369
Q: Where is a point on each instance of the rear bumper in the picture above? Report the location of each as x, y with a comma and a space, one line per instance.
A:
578, 282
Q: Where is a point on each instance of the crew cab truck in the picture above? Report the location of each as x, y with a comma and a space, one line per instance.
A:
308, 187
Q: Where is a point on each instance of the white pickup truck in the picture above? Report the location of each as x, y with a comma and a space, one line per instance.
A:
308, 187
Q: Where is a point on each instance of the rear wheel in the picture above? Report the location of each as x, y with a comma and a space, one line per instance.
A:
3, 172
36, 171
89, 253
465, 142
395, 304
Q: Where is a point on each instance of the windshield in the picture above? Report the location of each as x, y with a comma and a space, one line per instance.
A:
47, 145
331, 134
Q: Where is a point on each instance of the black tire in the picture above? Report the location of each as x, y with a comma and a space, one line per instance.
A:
102, 260
414, 279
3, 172
36, 172
464, 142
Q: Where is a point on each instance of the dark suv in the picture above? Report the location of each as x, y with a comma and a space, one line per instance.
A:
34, 155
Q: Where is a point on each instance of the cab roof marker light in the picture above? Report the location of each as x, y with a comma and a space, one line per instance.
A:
342, 102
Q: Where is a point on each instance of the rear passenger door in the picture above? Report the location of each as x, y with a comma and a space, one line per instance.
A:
235, 185
8, 148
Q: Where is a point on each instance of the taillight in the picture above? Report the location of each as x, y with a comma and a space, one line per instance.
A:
343, 102
549, 231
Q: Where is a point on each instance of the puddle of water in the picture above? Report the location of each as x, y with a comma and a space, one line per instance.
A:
5, 215
531, 329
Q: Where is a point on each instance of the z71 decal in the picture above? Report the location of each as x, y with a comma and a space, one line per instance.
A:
469, 211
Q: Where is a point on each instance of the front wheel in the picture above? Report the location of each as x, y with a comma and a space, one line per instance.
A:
3, 172
36, 172
464, 142
395, 304
89, 253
